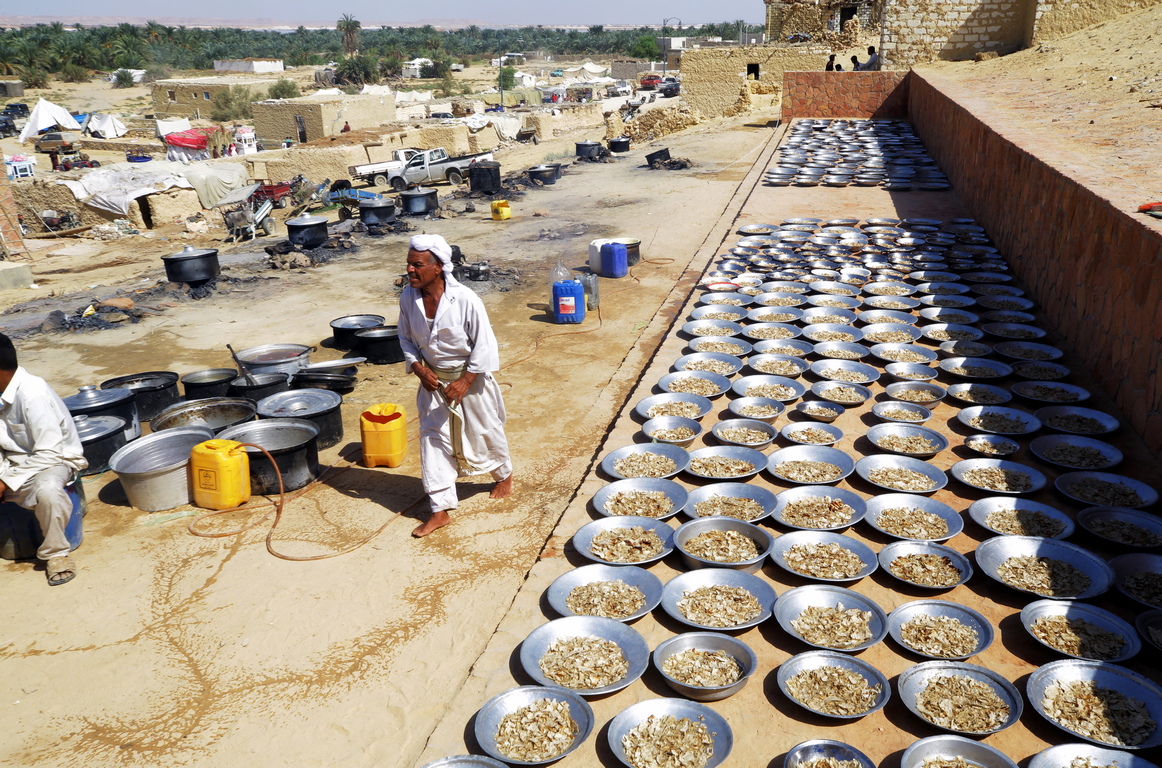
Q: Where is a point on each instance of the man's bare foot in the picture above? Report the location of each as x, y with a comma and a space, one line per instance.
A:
434, 523
502, 488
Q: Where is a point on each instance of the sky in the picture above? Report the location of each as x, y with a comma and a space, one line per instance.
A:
373, 14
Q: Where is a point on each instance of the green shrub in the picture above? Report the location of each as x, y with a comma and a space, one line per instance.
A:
123, 78
34, 77
283, 89
74, 73
231, 104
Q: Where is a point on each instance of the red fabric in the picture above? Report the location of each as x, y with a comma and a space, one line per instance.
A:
195, 138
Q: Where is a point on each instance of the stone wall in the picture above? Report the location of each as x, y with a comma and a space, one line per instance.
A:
1058, 18
1092, 264
274, 120
194, 98
922, 30
882, 95
712, 79
9, 225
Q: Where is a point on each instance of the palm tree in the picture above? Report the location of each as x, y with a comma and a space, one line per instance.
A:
349, 27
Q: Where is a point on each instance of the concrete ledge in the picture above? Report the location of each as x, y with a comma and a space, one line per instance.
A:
13, 275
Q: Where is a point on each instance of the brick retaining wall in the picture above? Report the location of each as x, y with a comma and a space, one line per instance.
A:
1092, 264
882, 95
9, 226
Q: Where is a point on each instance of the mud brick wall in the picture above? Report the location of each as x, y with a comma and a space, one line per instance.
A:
9, 224
882, 95
713, 78
1092, 264
1058, 18
922, 30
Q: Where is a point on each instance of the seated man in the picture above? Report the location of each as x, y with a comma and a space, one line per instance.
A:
39, 453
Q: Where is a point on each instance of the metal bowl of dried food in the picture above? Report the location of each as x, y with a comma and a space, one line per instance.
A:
905, 372
1009, 516
759, 408
820, 411
648, 460
1106, 489
705, 666
771, 332
911, 517
888, 288
845, 371
991, 445
978, 394
1045, 567
722, 542
828, 315
1065, 755
1006, 302
740, 501
808, 433
942, 289
903, 353
1079, 630
940, 629
998, 476
947, 315
1125, 527
466, 761
776, 314
824, 556
828, 332
975, 368
589, 655
1075, 420
1040, 370
818, 508
948, 750
1013, 331
727, 345
702, 383
942, 332
717, 328
641, 497
517, 728
625, 593
901, 412
983, 702
1076, 695
886, 316
841, 392
891, 333
808, 754
971, 349
831, 617
778, 300
832, 288
726, 462
1050, 392
947, 301
833, 684
925, 565
673, 404
624, 540
728, 312
777, 365
840, 350
670, 726
1027, 350
750, 433
998, 420
810, 464
672, 430
1149, 625
907, 440
714, 362
922, 393
1075, 452
789, 347
901, 473
718, 599
1139, 577
771, 387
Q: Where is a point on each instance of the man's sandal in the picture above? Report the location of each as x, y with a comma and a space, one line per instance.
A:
61, 570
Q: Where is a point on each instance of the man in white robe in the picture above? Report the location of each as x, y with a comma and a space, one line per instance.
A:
40, 454
449, 345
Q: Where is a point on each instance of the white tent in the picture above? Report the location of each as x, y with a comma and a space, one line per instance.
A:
525, 80
588, 69
45, 115
403, 97
104, 126
376, 90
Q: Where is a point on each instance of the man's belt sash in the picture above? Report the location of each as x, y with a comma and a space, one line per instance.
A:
447, 376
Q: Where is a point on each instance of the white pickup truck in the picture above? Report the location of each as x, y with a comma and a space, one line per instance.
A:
379, 174
421, 167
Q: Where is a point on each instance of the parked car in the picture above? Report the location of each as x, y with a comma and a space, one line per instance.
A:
557, 73
671, 89
56, 140
7, 126
17, 109
649, 82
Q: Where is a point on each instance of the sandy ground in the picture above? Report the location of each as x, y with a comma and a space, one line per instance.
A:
195, 651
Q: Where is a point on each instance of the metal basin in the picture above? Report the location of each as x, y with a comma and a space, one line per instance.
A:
154, 469
292, 443
213, 413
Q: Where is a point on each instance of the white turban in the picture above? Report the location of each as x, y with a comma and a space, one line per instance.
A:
438, 247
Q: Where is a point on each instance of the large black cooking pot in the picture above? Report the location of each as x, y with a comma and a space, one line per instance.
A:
484, 176
337, 382
259, 385
101, 436
307, 231
588, 148
319, 406
377, 213
122, 403
380, 345
292, 442
419, 201
558, 169
620, 144
212, 382
192, 265
344, 328
213, 413
155, 390
543, 173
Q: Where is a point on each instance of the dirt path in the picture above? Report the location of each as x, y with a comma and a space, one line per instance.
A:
195, 651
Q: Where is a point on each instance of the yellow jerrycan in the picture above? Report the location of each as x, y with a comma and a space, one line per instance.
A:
220, 470
501, 210
383, 428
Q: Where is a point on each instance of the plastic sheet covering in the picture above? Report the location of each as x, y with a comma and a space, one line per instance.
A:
173, 126
45, 115
105, 126
114, 187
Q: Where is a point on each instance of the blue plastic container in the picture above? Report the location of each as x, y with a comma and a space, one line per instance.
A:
20, 534
614, 260
568, 301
